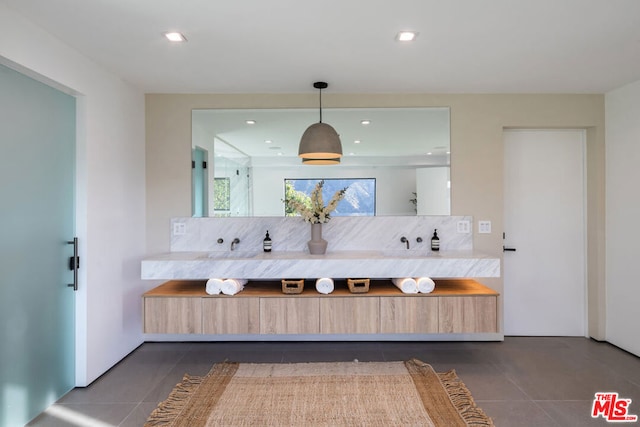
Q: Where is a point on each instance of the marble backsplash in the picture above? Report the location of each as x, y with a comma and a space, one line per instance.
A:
378, 233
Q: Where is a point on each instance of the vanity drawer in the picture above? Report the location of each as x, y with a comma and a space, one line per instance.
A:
289, 315
172, 315
470, 314
405, 315
230, 315
347, 315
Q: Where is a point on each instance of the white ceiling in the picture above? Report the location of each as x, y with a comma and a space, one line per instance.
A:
283, 46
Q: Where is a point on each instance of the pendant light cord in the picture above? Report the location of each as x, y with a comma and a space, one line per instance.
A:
320, 105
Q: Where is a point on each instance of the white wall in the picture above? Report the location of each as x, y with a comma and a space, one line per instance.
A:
622, 107
110, 214
432, 191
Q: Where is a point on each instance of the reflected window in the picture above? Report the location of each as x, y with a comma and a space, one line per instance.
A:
360, 199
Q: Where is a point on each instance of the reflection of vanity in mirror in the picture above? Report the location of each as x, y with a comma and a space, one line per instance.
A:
241, 158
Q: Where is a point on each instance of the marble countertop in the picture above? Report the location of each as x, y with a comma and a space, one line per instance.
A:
334, 264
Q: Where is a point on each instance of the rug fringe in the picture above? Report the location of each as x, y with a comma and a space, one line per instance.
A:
463, 400
168, 410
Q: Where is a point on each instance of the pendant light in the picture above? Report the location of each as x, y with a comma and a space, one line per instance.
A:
320, 143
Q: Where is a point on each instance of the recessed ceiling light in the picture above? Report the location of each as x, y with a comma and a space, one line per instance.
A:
357, 141
406, 36
279, 154
352, 154
175, 37
268, 141
250, 122
366, 122
429, 153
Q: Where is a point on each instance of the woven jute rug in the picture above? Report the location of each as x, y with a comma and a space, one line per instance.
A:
321, 394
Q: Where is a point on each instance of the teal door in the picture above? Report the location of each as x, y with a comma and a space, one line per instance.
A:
37, 170
199, 199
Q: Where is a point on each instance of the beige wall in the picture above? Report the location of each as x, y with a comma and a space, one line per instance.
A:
477, 122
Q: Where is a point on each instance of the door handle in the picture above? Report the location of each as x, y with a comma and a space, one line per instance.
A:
74, 263
506, 249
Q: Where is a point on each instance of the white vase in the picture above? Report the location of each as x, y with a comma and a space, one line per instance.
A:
317, 245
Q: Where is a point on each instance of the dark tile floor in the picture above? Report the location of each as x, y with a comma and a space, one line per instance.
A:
523, 381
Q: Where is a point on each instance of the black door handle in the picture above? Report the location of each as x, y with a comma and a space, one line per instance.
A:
74, 263
506, 249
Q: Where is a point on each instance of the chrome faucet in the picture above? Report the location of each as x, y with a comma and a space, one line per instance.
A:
234, 243
405, 240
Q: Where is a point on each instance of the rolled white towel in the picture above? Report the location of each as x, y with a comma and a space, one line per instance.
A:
324, 285
425, 285
214, 286
232, 286
407, 285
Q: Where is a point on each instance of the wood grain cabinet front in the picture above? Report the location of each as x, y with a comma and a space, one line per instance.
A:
289, 315
230, 315
470, 314
402, 315
348, 315
172, 315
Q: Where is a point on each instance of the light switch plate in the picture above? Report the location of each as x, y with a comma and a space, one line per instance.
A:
464, 227
484, 227
179, 228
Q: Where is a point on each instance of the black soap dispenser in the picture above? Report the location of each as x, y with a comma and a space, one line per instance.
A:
266, 243
435, 241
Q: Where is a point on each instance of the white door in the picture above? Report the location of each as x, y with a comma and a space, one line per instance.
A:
544, 221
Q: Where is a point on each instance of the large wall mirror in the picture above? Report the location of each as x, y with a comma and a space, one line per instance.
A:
242, 157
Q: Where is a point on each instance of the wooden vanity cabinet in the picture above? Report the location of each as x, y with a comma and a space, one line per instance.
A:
401, 315
231, 316
289, 315
173, 315
455, 306
467, 314
348, 315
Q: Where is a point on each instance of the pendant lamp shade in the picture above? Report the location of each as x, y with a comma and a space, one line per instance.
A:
320, 143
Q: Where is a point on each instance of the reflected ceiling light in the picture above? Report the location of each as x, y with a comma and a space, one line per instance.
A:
320, 143
175, 36
365, 122
268, 141
357, 141
250, 122
406, 36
